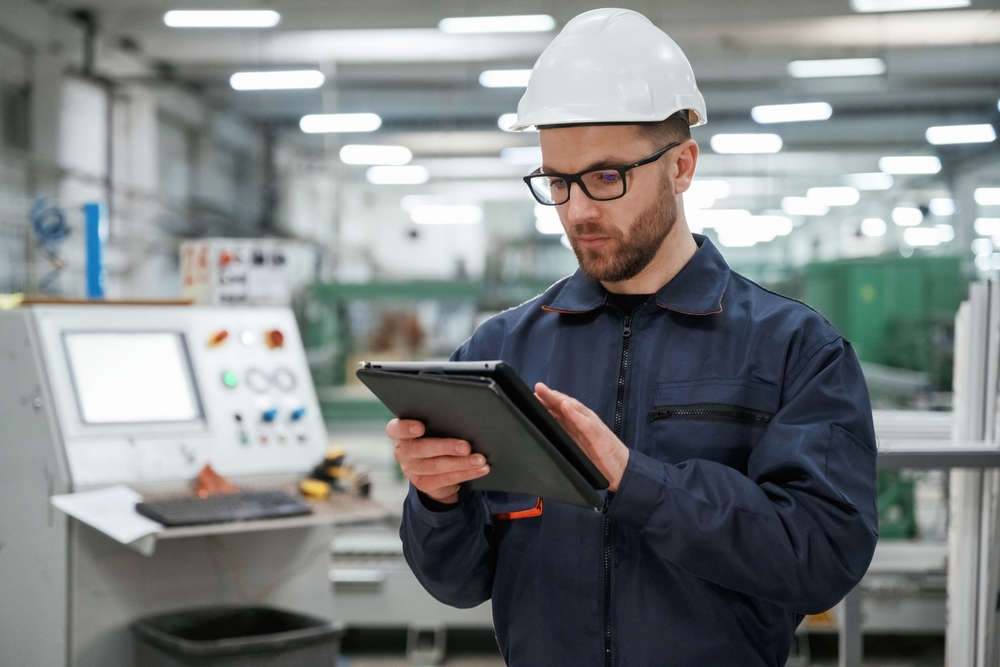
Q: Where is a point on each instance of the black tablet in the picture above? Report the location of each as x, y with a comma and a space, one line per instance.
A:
487, 404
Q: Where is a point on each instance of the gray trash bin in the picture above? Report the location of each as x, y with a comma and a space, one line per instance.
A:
236, 637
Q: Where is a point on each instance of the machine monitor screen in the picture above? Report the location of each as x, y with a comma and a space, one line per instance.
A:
136, 377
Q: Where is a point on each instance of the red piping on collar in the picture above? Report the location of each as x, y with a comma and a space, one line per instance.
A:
564, 312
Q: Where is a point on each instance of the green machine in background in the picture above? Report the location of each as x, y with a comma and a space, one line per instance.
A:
898, 312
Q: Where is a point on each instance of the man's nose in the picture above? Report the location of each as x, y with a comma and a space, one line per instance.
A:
580, 207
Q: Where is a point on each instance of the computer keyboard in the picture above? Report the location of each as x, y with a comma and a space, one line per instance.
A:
223, 507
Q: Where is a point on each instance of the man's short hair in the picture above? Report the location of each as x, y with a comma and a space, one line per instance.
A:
667, 131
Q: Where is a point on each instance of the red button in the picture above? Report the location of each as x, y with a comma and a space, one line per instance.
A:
274, 339
218, 338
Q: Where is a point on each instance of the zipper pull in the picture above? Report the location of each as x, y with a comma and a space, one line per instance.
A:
627, 329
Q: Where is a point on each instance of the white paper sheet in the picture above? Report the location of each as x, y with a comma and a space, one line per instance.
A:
110, 510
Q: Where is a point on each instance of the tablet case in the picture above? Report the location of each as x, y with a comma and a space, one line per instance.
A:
474, 409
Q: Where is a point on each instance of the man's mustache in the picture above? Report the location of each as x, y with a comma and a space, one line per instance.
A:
592, 229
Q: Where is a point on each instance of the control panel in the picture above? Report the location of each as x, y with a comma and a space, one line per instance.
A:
155, 393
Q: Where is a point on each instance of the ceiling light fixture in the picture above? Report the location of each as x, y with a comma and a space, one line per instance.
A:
907, 216
703, 194
340, 122
466, 25
547, 220
869, 6
943, 206
408, 175
987, 226
873, 181
982, 247
818, 69
288, 80
746, 143
987, 196
961, 134
873, 227
252, 18
803, 206
522, 155
791, 113
839, 196
928, 237
443, 214
505, 78
910, 164
360, 154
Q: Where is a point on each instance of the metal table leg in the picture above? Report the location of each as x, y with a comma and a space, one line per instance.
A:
850, 630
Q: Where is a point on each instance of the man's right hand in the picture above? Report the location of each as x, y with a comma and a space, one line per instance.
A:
436, 466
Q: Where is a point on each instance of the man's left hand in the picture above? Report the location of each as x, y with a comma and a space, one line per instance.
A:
597, 441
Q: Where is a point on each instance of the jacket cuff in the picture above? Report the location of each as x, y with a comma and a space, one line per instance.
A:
640, 491
430, 517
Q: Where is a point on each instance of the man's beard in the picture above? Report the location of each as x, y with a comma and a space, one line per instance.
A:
632, 252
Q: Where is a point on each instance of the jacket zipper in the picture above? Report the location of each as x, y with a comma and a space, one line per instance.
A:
711, 412
608, 526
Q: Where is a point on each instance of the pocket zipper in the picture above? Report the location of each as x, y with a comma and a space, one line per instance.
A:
711, 412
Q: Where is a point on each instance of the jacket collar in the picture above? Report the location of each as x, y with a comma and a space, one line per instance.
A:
697, 289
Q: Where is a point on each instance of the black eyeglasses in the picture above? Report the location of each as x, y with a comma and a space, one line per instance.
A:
600, 184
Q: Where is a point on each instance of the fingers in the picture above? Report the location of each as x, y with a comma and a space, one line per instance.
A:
442, 465
404, 429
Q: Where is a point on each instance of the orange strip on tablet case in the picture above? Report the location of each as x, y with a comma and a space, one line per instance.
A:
523, 514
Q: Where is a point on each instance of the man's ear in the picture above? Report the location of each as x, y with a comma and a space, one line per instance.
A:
684, 166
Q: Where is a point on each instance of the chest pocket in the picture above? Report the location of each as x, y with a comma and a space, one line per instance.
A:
716, 420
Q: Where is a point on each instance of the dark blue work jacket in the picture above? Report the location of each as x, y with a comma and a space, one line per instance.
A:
748, 499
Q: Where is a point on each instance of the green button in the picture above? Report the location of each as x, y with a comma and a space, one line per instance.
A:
229, 379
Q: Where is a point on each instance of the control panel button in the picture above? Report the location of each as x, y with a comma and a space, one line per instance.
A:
284, 379
218, 338
268, 416
257, 380
297, 414
274, 339
229, 379
248, 338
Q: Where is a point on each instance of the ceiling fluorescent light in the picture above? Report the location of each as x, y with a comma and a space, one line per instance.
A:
873, 227
843, 196
506, 120
816, 69
340, 122
526, 155
256, 18
961, 134
987, 226
907, 216
869, 6
746, 143
874, 181
290, 80
803, 206
921, 237
359, 154
547, 220
987, 196
703, 194
483, 24
443, 214
943, 206
982, 247
505, 78
409, 175
910, 164
791, 113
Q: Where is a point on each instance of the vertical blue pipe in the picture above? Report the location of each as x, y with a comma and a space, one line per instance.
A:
97, 234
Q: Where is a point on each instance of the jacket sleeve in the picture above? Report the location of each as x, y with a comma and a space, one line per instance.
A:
799, 529
449, 552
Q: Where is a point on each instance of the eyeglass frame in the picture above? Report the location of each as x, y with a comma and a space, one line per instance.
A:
577, 177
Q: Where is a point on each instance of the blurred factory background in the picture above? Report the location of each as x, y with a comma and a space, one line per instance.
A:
354, 157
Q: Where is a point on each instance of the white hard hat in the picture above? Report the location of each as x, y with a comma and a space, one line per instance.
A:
610, 66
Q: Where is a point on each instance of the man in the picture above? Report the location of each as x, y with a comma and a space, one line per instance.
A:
733, 424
